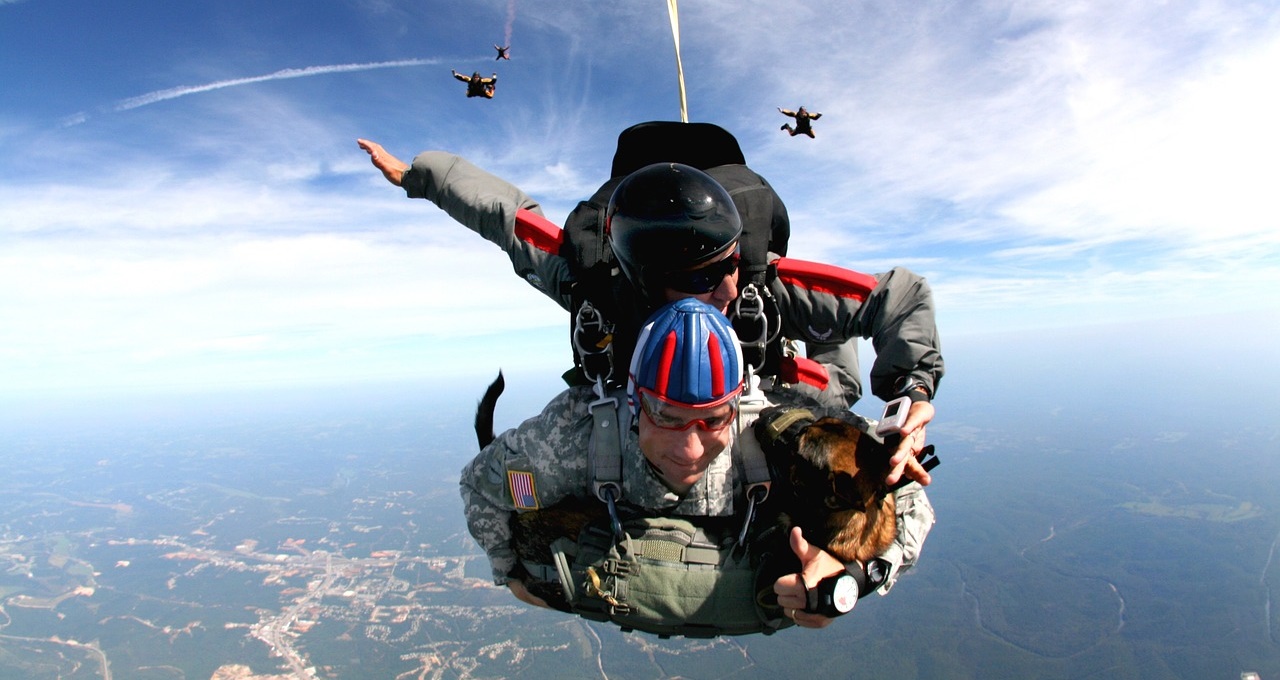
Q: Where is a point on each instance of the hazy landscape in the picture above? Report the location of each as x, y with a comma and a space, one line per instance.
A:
276, 532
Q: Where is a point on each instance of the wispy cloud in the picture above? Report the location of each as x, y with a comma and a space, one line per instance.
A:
283, 74
1039, 163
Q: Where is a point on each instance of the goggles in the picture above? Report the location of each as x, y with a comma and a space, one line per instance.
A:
703, 279
659, 414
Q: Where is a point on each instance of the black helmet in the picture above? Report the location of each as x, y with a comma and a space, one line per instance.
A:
669, 217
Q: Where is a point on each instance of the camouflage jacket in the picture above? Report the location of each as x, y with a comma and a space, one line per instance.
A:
544, 461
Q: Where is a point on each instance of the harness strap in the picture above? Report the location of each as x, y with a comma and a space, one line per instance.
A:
825, 278
750, 404
538, 231
928, 461
605, 453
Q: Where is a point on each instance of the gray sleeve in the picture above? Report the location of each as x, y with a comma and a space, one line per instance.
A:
915, 519
899, 318
830, 305
487, 205
844, 386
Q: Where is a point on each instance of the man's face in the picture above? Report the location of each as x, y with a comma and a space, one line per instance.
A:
724, 292
680, 447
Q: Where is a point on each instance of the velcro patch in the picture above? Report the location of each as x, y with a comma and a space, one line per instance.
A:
522, 491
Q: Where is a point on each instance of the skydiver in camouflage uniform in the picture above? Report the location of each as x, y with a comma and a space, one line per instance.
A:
683, 418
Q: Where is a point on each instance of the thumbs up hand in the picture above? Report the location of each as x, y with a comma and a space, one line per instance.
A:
791, 589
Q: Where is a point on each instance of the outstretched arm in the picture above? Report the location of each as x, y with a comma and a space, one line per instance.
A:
787, 112
487, 205
392, 168
815, 116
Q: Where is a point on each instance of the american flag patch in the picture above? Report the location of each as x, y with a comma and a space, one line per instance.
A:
522, 493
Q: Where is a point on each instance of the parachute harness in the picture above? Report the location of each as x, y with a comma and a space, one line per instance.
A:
751, 323
758, 480
593, 341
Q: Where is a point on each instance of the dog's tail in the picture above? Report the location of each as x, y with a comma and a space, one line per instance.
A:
484, 411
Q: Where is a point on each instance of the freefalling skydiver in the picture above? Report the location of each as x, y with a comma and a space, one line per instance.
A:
894, 309
478, 86
502, 53
656, 182
802, 121
684, 406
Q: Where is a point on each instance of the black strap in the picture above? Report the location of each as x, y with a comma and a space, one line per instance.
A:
928, 461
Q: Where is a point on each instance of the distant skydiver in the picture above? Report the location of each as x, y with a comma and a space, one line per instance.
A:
478, 86
802, 122
502, 53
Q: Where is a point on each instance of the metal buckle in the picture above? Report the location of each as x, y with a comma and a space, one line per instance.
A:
590, 322
609, 493
755, 495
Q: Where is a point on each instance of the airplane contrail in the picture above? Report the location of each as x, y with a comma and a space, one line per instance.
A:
184, 90
511, 20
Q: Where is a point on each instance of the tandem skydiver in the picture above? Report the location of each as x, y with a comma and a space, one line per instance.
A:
815, 303
675, 421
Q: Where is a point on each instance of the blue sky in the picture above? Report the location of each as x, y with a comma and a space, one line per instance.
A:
183, 205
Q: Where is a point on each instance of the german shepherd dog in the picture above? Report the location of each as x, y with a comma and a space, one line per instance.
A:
828, 479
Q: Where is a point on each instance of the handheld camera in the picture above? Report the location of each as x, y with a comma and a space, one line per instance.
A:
895, 416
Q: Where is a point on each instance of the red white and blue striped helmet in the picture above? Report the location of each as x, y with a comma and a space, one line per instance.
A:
687, 354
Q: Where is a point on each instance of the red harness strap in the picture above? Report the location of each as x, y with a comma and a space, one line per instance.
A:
538, 231
795, 370
825, 278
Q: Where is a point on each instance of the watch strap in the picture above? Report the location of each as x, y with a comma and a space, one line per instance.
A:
913, 389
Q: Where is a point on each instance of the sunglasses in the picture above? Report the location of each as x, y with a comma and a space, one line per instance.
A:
653, 408
704, 279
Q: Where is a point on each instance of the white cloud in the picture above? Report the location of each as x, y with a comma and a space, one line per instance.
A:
1037, 161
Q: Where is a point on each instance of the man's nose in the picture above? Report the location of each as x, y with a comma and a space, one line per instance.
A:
727, 291
690, 446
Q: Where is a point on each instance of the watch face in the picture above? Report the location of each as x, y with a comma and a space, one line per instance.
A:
845, 594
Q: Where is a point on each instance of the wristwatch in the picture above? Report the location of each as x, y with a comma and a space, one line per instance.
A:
916, 390
834, 595
837, 594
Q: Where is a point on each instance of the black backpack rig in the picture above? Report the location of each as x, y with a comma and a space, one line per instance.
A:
607, 310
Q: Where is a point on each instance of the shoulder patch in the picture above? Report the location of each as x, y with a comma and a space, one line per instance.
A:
523, 494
